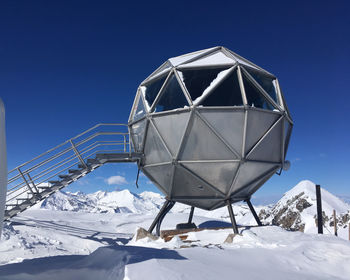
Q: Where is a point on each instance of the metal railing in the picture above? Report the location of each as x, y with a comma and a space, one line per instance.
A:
26, 180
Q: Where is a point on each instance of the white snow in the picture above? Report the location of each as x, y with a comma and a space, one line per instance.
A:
218, 58
186, 57
221, 76
81, 236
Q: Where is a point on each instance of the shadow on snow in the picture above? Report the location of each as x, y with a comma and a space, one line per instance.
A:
104, 263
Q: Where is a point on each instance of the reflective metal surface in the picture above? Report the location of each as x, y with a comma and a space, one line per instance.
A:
216, 127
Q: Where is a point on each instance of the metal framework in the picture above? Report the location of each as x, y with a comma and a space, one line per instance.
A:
209, 128
51, 171
213, 127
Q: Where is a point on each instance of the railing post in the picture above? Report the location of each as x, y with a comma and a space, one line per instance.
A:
319, 209
25, 180
335, 222
124, 143
78, 154
32, 182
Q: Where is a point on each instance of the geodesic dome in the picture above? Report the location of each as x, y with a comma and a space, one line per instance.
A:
212, 126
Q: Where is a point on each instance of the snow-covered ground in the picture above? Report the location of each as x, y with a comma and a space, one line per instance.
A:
89, 236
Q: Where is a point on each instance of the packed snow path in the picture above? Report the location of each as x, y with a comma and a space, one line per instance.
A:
74, 245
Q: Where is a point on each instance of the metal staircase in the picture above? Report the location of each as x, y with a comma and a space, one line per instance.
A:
66, 163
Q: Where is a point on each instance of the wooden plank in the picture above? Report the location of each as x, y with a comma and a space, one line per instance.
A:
167, 235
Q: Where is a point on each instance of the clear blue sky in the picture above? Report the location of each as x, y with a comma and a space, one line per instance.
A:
67, 65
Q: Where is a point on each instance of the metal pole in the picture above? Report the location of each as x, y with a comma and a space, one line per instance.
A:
25, 181
319, 209
232, 217
335, 222
32, 182
124, 143
256, 217
151, 228
78, 154
160, 220
191, 215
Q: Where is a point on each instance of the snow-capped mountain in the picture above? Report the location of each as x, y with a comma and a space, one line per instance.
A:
103, 202
296, 210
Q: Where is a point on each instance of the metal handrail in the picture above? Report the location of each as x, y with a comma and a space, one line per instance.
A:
67, 141
59, 159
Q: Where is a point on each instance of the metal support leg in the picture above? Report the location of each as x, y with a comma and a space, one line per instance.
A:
167, 209
191, 215
256, 217
232, 217
161, 214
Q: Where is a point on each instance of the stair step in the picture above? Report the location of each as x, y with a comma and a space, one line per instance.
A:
73, 171
64, 176
16, 205
54, 182
92, 161
82, 166
22, 198
43, 187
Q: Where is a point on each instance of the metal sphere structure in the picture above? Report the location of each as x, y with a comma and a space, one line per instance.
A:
212, 126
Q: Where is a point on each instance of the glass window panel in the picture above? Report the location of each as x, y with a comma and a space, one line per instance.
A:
227, 93
151, 90
140, 110
172, 96
254, 97
197, 80
265, 82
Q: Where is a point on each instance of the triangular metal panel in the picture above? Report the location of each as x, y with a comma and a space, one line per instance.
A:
287, 133
258, 123
270, 146
172, 97
155, 151
186, 184
139, 109
203, 144
217, 58
162, 175
177, 60
229, 124
137, 132
205, 204
248, 172
197, 81
172, 129
217, 174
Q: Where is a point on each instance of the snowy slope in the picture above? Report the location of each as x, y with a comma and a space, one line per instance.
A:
80, 245
297, 210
